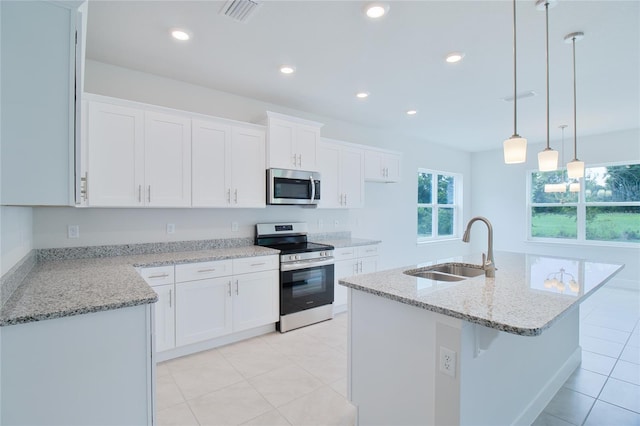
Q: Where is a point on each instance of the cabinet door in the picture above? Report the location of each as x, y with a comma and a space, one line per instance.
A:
203, 310
352, 177
331, 195
255, 299
368, 264
281, 136
343, 268
306, 144
373, 168
38, 51
164, 318
211, 173
248, 168
392, 166
116, 155
167, 160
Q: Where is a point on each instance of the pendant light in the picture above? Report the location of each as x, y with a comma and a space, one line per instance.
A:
575, 168
548, 158
515, 148
558, 187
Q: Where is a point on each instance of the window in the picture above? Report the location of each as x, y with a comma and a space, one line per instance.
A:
604, 207
439, 196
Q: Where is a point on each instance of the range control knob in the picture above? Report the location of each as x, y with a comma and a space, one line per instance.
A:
291, 257
297, 257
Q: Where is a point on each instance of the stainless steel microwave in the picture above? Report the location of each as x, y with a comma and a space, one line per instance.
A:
292, 187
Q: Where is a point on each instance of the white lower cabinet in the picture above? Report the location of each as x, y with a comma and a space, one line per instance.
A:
203, 310
204, 301
351, 261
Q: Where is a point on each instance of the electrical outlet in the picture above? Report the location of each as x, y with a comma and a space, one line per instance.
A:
73, 231
171, 228
234, 226
447, 361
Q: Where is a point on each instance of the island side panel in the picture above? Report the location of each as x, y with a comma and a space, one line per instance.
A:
509, 379
392, 362
79, 370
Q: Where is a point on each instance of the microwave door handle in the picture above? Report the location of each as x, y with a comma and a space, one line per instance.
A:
313, 188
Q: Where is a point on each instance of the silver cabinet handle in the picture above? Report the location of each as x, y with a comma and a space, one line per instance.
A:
139, 193
300, 160
170, 297
295, 160
165, 275
345, 199
149, 198
229, 196
84, 187
237, 288
258, 264
229, 284
355, 268
361, 266
200, 271
235, 196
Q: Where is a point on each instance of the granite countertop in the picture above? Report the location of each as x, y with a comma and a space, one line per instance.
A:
348, 242
54, 289
522, 299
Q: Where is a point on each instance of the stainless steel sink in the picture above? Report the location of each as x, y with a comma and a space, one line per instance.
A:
447, 272
458, 269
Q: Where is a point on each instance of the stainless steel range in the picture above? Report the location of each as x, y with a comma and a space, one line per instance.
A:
306, 274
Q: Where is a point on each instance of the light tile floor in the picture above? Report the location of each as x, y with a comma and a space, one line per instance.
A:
299, 378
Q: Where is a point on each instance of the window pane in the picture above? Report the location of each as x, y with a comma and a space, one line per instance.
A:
424, 221
538, 193
613, 183
445, 221
424, 188
554, 222
445, 189
619, 223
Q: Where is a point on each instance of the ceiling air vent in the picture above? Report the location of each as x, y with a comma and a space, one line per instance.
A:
240, 10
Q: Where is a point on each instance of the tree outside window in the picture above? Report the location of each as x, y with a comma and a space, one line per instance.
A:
606, 207
437, 204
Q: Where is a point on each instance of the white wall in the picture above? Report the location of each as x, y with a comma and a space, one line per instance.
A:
389, 215
16, 235
499, 192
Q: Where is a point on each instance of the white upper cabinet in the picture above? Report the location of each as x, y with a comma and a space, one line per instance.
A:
342, 174
116, 155
38, 79
292, 142
167, 160
382, 166
228, 165
137, 158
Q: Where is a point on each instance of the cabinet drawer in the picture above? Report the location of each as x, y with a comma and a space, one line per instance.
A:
255, 264
344, 253
203, 270
366, 251
157, 275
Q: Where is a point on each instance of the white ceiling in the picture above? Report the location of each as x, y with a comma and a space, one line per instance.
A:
399, 60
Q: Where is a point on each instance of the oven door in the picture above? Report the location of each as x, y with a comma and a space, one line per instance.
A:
305, 288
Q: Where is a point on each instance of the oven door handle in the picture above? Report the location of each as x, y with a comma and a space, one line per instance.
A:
302, 264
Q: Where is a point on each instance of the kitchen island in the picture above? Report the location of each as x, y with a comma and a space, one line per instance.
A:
475, 351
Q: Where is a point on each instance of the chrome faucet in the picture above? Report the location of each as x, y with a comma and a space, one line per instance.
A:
487, 263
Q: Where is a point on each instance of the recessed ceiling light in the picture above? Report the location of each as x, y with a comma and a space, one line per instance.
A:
179, 34
412, 112
454, 57
376, 10
362, 95
287, 69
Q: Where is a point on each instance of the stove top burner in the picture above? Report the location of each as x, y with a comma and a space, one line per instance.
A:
289, 248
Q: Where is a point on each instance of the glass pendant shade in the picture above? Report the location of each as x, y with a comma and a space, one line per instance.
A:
515, 150
575, 169
548, 160
555, 187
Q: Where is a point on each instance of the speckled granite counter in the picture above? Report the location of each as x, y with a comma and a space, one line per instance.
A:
522, 299
60, 288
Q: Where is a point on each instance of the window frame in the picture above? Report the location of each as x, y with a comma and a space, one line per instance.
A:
581, 212
435, 206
